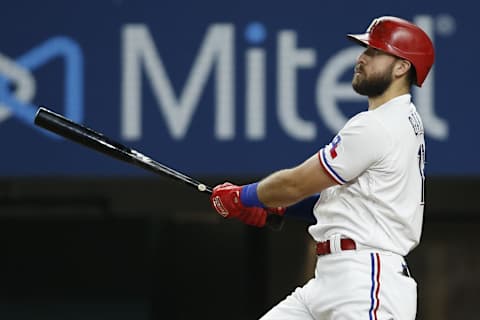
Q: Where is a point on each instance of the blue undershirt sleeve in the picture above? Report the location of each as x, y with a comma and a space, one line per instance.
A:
303, 210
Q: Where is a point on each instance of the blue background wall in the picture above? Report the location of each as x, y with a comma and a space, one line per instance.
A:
72, 57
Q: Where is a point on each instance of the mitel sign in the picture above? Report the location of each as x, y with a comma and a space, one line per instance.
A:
216, 57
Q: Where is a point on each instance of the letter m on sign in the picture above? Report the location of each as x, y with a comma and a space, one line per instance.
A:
139, 54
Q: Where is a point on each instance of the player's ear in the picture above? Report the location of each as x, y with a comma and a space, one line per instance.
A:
402, 67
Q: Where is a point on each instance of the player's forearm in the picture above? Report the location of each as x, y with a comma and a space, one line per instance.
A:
281, 189
286, 187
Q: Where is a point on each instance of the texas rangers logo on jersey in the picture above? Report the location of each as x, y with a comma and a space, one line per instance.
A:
334, 145
333, 149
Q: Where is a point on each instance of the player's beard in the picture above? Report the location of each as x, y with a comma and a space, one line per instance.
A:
372, 86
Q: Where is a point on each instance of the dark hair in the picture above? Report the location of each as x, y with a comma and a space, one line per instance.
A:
412, 76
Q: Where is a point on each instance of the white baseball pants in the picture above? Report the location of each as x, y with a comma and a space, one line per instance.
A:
353, 285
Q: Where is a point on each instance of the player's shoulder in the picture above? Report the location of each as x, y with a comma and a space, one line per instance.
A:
394, 107
367, 129
366, 119
398, 114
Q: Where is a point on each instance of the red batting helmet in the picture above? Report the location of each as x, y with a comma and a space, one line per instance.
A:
400, 38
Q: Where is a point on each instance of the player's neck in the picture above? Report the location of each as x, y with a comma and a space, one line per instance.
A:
389, 94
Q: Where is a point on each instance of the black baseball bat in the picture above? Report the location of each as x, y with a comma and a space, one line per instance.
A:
71, 130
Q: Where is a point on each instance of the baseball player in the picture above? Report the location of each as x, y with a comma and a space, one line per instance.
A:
363, 191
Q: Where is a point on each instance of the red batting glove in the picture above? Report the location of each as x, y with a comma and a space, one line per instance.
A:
225, 200
253, 216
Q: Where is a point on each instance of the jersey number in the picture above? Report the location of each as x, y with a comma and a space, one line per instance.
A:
421, 165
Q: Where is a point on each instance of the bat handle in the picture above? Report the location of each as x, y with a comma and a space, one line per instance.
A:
275, 222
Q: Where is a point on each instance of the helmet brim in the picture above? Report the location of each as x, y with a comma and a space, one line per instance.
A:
365, 41
361, 39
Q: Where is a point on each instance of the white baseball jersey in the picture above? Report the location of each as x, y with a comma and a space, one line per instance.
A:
378, 161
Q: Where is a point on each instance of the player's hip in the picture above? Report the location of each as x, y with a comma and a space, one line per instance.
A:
365, 281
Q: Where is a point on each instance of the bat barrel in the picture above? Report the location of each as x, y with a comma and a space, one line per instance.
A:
66, 128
